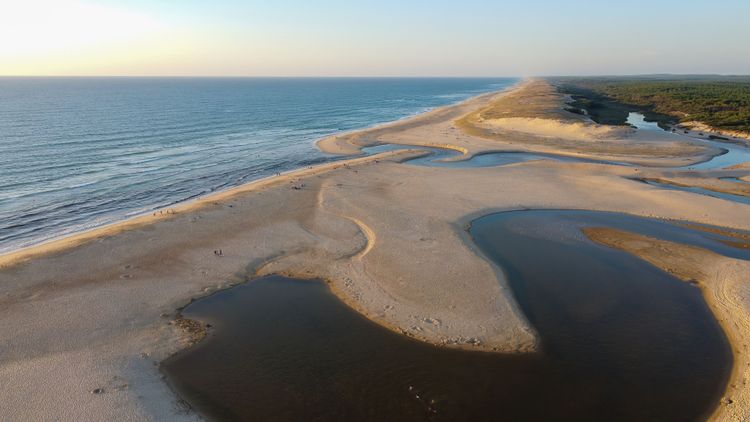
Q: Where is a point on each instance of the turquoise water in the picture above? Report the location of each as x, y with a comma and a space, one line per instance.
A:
77, 153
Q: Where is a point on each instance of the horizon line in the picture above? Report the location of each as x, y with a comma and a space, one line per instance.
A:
378, 76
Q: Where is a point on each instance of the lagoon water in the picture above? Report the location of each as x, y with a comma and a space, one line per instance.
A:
734, 154
621, 340
77, 153
448, 158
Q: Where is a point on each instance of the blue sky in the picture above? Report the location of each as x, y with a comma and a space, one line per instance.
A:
366, 38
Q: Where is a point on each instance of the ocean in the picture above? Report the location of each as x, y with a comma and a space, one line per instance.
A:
78, 153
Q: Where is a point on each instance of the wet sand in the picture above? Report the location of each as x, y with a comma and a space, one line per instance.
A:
96, 311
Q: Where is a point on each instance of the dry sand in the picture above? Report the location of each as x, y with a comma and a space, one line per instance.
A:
97, 310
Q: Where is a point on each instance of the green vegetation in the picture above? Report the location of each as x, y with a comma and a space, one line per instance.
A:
721, 102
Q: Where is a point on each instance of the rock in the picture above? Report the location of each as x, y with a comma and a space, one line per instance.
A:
474, 341
97, 391
433, 321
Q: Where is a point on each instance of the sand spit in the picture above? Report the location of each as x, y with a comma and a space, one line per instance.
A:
530, 117
705, 131
712, 184
742, 166
725, 284
86, 320
723, 181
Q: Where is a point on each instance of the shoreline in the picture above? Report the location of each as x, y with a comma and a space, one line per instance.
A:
341, 143
72, 240
75, 238
364, 224
322, 145
141, 216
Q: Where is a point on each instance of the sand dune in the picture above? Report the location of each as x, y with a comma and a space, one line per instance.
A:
552, 128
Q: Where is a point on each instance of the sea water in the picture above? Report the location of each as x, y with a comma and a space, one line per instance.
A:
77, 153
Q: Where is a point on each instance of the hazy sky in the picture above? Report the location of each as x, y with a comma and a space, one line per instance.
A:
365, 38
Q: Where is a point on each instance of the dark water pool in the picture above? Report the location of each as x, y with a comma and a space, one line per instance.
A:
621, 340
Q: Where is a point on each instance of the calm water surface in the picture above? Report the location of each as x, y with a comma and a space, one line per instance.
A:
621, 340
444, 157
734, 154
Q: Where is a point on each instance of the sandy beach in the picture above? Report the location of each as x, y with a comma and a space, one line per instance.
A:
88, 318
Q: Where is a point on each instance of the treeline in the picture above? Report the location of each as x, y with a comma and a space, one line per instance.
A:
721, 102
